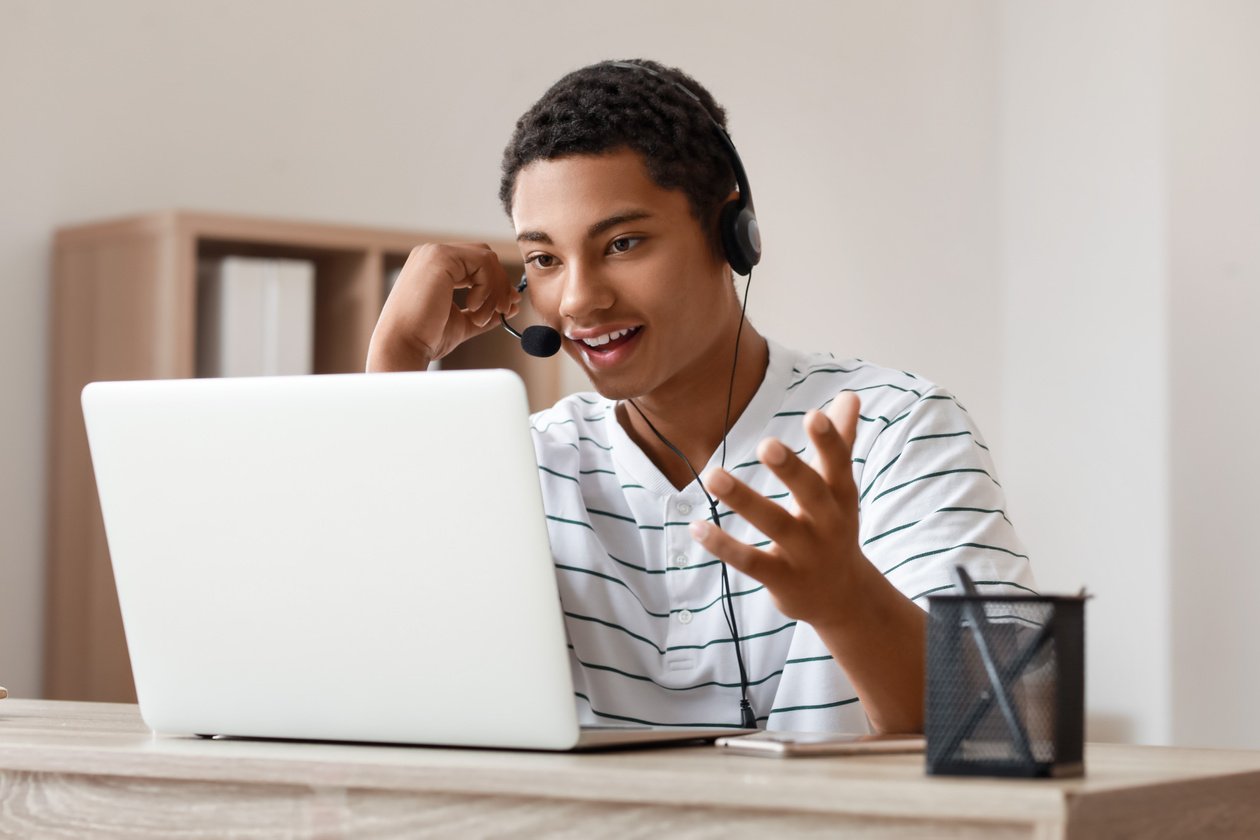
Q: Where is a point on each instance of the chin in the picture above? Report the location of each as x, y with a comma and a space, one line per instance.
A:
614, 388
604, 385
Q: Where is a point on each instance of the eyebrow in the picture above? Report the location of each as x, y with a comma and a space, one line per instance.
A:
593, 231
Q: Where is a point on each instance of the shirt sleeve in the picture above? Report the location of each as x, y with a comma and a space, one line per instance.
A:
929, 498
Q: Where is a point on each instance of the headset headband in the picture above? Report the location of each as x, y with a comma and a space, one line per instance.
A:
741, 179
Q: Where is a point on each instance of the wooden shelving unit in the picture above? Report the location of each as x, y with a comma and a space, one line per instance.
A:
124, 307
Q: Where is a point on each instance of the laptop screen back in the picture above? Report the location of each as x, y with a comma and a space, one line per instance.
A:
351, 557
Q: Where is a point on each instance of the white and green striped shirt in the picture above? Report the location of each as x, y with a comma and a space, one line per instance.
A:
641, 599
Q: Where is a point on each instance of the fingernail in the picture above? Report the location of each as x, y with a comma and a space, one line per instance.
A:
774, 453
699, 529
818, 423
719, 481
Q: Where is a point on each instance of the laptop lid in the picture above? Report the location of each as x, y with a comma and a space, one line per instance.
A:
349, 557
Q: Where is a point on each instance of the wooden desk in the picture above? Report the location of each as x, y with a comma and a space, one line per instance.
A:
88, 769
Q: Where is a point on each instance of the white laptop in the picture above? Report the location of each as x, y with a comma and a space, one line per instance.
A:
350, 558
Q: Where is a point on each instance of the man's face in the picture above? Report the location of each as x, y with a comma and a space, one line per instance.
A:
622, 269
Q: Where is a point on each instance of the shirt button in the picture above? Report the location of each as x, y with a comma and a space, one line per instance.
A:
685, 616
684, 508
681, 560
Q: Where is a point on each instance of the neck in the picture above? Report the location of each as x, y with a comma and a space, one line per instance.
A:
690, 414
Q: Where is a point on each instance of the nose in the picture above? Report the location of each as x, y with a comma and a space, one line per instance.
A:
585, 292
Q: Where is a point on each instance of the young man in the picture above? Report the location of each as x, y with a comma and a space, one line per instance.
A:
844, 491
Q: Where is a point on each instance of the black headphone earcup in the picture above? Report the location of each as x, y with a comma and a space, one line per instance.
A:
741, 238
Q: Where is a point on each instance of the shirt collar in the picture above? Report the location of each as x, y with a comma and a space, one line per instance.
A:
741, 443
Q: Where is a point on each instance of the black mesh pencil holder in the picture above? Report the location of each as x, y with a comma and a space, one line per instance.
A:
1006, 686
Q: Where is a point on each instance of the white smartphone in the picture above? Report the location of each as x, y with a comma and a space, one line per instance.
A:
788, 744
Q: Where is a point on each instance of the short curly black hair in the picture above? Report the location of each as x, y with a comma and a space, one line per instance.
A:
604, 108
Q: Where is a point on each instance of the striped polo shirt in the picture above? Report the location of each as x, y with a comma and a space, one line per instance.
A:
641, 599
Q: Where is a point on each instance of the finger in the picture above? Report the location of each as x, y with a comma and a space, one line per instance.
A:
479, 270
477, 298
742, 557
462, 261
489, 290
481, 278
511, 304
835, 458
483, 313
843, 413
481, 323
809, 490
763, 514
460, 326
464, 324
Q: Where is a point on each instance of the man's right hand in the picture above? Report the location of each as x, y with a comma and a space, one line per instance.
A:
421, 321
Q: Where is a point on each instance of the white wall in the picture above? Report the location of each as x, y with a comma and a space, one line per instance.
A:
1214, 269
1047, 206
1131, 268
1084, 396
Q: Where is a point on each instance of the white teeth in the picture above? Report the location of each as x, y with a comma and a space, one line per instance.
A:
601, 340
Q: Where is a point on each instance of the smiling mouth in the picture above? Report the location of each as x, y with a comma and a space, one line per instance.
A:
608, 342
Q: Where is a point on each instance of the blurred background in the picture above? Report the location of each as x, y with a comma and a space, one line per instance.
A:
1051, 208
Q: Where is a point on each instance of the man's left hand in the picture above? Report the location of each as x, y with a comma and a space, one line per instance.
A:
812, 563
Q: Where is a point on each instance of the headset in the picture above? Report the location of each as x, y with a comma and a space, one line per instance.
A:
741, 245
737, 225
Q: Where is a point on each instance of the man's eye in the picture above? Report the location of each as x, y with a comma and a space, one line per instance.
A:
542, 260
624, 243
